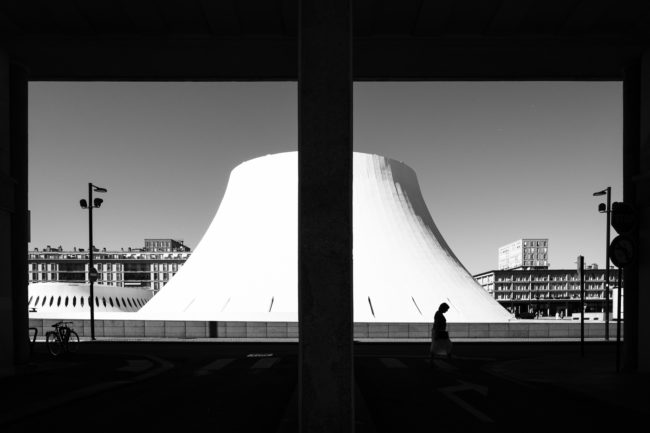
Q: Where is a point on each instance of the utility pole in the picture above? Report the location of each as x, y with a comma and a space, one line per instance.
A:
92, 272
607, 210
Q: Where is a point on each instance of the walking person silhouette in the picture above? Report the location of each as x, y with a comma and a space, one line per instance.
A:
440, 342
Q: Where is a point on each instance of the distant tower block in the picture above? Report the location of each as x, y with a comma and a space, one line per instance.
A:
524, 254
245, 267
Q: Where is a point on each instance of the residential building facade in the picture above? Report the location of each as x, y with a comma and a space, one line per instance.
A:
165, 245
524, 254
548, 292
150, 267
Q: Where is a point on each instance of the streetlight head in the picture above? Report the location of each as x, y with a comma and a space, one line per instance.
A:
603, 192
602, 208
99, 189
98, 202
83, 203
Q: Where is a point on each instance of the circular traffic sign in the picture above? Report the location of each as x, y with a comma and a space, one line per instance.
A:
622, 251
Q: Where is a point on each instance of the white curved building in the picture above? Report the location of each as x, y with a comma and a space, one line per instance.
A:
60, 300
245, 267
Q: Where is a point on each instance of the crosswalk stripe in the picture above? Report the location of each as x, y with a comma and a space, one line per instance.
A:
474, 358
213, 366
136, 365
265, 362
392, 363
450, 393
442, 365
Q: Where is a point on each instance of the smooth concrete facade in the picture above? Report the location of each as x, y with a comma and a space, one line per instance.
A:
60, 300
403, 267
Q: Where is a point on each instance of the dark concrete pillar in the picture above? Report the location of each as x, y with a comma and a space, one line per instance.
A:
641, 182
14, 346
631, 141
19, 219
325, 217
6, 210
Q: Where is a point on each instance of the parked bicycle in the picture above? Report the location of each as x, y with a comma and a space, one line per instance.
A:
62, 339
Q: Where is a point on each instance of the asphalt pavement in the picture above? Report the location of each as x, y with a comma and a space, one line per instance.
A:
240, 386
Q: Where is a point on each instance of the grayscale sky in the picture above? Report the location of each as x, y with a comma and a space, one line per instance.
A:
496, 161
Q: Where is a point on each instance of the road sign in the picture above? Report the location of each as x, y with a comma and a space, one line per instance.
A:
622, 251
623, 217
93, 275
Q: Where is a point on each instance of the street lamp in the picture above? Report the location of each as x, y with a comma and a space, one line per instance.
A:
606, 209
92, 272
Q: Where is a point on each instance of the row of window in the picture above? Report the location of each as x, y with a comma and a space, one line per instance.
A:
107, 267
96, 256
535, 243
573, 277
102, 276
533, 256
528, 298
524, 288
132, 302
524, 296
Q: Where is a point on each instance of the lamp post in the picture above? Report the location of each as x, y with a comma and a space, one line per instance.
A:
606, 209
92, 273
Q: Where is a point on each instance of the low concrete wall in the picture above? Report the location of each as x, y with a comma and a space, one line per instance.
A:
189, 329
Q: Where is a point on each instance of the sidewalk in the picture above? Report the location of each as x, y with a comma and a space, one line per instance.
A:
593, 374
47, 382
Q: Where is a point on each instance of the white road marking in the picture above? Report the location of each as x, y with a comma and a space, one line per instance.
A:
265, 363
213, 366
445, 366
136, 365
474, 358
392, 363
450, 391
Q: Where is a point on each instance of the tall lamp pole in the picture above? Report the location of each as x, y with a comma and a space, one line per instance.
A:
606, 209
92, 272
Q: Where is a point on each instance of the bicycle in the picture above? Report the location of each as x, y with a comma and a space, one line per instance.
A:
62, 339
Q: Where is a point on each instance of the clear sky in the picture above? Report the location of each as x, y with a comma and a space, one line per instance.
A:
496, 161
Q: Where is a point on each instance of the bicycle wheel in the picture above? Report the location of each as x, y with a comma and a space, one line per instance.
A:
73, 342
54, 345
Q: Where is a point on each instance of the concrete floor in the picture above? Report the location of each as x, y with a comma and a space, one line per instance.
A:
166, 386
